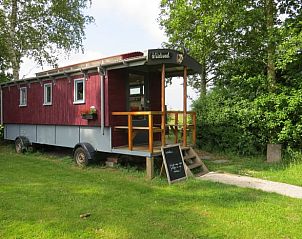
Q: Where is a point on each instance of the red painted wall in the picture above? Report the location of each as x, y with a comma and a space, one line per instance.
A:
61, 112
115, 95
115, 101
64, 112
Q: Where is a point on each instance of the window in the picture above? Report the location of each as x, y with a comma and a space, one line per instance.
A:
79, 91
47, 94
23, 96
135, 90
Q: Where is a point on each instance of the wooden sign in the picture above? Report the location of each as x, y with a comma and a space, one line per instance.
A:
174, 163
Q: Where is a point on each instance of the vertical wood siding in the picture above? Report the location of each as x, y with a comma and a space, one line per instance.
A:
115, 101
61, 112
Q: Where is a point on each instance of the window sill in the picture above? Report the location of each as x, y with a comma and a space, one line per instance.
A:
78, 102
47, 104
22, 105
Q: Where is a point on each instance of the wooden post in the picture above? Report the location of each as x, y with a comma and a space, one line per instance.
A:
176, 128
163, 106
194, 128
150, 167
150, 133
185, 108
130, 132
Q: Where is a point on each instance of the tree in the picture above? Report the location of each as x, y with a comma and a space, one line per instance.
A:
194, 25
271, 11
39, 28
222, 35
254, 56
4, 75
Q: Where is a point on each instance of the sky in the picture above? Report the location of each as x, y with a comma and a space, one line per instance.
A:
120, 26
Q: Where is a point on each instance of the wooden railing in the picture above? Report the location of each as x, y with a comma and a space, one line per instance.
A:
152, 128
133, 129
175, 123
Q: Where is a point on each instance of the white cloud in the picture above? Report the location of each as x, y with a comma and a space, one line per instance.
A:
120, 26
29, 67
141, 12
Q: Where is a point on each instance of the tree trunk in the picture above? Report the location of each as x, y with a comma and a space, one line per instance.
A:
271, 46
203, 81
12, 51
16, 70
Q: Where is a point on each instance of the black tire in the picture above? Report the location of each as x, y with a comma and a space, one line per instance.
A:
19, 146
80, 157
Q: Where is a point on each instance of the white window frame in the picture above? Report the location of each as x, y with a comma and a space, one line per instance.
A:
45, 102
21, 103
75, 87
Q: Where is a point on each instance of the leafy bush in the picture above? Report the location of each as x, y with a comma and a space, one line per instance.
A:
1, 132
292, 156
228, 122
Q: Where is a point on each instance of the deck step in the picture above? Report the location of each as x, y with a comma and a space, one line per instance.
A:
185, 148
188, 157
193, 162
194, 165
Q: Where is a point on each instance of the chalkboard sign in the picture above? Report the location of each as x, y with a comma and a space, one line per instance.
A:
174, 163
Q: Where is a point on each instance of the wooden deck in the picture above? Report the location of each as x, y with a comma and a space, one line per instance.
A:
141, 150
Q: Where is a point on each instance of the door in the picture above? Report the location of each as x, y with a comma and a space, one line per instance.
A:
138, 100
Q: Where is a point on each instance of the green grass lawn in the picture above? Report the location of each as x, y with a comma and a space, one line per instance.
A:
43, 197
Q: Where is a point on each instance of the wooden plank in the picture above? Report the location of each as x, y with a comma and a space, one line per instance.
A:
194, 129
130, 132
185, 107
163, 105
176, 128
150, 133
179, 112
137, 113
150, 167
137, 128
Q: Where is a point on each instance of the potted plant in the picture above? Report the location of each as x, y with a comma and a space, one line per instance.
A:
89, 114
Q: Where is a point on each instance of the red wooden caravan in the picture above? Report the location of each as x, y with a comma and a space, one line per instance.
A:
113, 105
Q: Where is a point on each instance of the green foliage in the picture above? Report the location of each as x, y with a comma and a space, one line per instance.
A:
252, 51
245, 125
292, 157
40, 28
222, 124
1, 132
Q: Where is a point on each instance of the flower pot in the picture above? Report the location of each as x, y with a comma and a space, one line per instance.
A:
89, 116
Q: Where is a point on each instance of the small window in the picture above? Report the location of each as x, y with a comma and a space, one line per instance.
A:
135, 90
47, 94
23, 96
79, 91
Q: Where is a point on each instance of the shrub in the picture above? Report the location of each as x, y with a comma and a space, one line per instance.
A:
231, 123
1, 132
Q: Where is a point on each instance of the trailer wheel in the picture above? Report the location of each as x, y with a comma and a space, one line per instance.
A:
19, 146
81, 157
